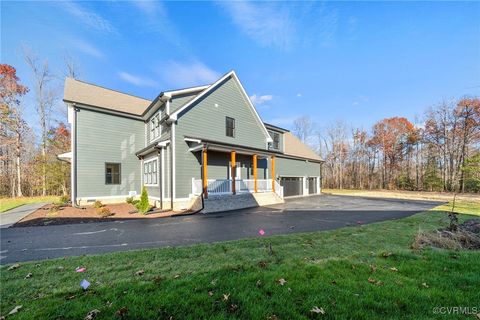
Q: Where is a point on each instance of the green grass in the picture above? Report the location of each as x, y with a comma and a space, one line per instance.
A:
10, 203
329, 270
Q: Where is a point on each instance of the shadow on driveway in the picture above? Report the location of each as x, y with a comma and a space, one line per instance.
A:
307, 214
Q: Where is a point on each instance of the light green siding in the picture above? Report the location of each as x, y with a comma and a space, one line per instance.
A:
206, 119
295, 167
106, 138
180, 100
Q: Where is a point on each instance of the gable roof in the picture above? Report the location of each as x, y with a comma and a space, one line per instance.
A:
211, 88
295, 147
100, 97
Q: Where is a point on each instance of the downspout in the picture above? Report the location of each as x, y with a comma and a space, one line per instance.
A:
74, 156
160, 179
166, 98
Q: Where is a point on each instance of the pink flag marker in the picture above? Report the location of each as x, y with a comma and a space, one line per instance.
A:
80, 269
262, 232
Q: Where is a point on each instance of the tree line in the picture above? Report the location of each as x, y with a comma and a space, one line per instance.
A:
438, 152
28, 151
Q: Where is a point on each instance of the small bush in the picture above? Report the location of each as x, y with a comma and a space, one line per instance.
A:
54, 209
143, 206
64, 199
129, 200
98, 204
104, 212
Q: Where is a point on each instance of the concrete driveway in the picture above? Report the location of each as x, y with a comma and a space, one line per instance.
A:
314, 213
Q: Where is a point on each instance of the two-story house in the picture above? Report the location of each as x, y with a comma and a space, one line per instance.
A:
206, 140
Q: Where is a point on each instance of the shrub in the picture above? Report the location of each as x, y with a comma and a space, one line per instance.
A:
104, 212
143, 206
129, 200
98, 204
64, 199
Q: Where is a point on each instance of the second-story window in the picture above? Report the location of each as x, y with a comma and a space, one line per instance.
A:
230, 127
155, 127
276, 141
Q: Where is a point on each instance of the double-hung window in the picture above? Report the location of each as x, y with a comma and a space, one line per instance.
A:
150, 172
230, 127
112, 173
276, 140
155, 127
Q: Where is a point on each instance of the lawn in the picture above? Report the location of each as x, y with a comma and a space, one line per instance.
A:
361, 272
10, 203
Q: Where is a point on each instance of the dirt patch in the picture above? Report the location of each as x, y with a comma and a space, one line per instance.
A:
467, 236
54, 215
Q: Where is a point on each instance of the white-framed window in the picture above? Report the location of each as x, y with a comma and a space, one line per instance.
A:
150, 172
155, 127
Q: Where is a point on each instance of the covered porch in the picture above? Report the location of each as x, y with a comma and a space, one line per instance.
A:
229, 170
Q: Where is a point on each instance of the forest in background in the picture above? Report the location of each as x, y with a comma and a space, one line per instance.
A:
440, 151
28, 151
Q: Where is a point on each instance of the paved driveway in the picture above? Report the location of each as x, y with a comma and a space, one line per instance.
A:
314, 213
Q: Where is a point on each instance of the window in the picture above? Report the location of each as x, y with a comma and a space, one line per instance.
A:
112, 173
230, 126
155, 127
276, 140
150, 175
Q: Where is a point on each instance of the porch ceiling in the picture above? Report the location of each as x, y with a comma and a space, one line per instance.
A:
219, 146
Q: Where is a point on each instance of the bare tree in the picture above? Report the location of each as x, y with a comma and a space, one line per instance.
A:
44, 98
303, 128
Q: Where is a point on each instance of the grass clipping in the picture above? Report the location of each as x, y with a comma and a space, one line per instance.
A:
466, 236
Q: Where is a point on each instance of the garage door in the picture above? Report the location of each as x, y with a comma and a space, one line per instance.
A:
312, 185
292, 186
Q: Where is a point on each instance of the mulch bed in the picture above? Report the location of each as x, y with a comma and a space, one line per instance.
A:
68, 215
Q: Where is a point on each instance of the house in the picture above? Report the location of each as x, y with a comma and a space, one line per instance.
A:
206, 139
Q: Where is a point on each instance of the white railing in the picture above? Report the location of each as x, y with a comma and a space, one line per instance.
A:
224, 186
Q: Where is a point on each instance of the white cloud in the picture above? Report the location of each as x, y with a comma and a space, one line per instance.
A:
148, 7
136, 80
267, 23
188, 74
155, 19
259, 100
87, 48
89, 18
299, 95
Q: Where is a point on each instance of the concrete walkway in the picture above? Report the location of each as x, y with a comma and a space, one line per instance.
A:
14, 215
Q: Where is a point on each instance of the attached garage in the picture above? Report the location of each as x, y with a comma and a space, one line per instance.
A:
292, 186
312, 185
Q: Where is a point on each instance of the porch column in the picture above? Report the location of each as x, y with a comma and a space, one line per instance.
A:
273, 173
204, 172
255, 189
234, 171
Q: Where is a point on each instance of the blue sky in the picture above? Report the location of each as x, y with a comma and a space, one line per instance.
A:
352, 61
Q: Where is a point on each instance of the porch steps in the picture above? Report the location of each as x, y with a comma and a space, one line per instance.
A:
217, 203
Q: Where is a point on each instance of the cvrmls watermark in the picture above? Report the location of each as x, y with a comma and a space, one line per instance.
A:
456, 310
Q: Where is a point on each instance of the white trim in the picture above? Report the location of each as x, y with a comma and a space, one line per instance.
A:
153, 159
192, 140
102, 197
163, 173
174, 116
196, 148
187, 90
174, 166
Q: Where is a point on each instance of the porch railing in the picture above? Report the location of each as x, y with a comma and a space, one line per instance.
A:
224, 186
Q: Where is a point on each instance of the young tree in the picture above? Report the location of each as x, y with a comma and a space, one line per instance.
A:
45, 97
13, 126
